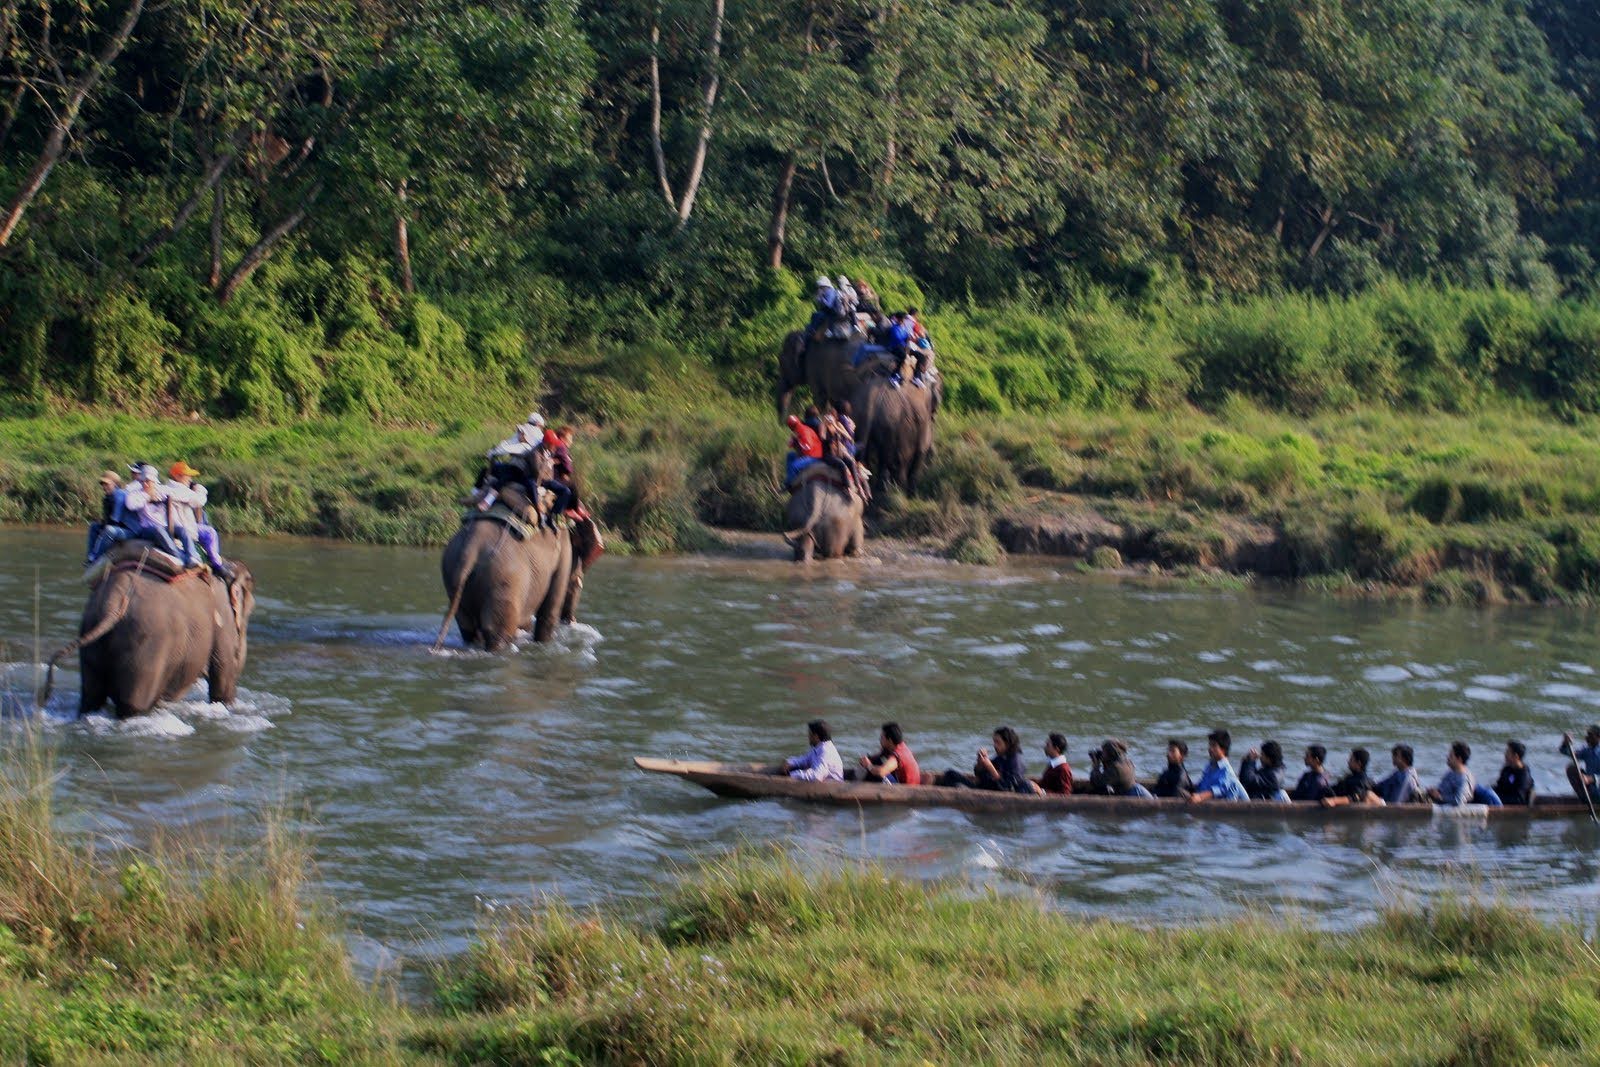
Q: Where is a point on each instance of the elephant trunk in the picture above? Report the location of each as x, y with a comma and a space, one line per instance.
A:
95, 633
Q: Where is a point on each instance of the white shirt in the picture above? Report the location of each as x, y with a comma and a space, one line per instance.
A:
821, 763
185, 499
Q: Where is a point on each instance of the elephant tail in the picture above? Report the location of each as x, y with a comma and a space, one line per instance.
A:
95, 633
469, 560
813, 516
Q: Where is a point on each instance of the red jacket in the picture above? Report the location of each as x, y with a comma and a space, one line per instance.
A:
805, 442
1056, 779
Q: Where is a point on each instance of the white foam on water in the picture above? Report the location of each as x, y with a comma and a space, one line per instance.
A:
1266, 666
1578, 668
1311, 681
1484, 693
1212, 657
1001, 651
1176, 683
159, 723
1387, 673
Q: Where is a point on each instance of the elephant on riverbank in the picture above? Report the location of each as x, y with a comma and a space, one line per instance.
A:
148, 634
501, 572
825, 366
894, 429
824, 518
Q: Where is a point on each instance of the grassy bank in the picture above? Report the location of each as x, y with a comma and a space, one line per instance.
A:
184, 954
1501, 503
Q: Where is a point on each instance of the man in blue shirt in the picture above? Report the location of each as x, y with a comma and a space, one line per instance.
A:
1457, 786
1218, 782
1588, 779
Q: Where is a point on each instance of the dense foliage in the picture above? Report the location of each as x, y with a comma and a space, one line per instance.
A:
286, 207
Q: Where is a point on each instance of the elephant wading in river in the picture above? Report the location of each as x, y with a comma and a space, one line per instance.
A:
149, 632
894, 429
824, 518
500, 572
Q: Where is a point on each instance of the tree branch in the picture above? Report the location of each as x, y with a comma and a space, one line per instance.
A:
263, 248
56, 142
186, 211
655, 116
712, 81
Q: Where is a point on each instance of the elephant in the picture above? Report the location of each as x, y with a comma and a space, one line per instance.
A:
150, 631
826, 366
499, 572
824, 517
894, 428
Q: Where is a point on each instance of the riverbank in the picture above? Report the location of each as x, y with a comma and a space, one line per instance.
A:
1500, 504
188, 953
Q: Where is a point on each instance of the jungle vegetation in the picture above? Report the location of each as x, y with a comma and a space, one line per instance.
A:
1196, 225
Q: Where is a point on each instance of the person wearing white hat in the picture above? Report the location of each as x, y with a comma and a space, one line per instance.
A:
849, 300
146, 501
830, 309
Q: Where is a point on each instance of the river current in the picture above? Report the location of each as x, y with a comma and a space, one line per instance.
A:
438, 785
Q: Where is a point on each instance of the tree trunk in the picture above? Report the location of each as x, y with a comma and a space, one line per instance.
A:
658, 152
780, 212
402, 243
709, 102
1329, 221
263, 248
219, 200
186, 212
56, 142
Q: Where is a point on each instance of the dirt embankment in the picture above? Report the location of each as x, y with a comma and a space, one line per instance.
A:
1060, 524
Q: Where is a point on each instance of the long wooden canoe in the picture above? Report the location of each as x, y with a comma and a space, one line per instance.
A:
751, 780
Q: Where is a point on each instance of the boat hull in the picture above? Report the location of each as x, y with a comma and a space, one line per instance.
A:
753, 780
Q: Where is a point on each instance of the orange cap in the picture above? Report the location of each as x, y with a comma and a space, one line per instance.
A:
181, 469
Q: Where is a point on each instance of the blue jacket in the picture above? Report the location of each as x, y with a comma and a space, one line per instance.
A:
1220, 781
896, 337
120, 515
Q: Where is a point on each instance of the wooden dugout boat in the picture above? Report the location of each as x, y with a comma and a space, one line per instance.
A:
753, 780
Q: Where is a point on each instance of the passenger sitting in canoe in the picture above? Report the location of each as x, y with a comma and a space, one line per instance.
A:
1003, 771
1457, 786
1057, 777
1111, 772
1313, 784
1587, 780
1217, 781
1175, 780
894, 762
1261, 773
821, 763
1356, 787
1515, 784
1402, 786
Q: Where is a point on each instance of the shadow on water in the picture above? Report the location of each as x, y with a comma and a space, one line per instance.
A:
439, 782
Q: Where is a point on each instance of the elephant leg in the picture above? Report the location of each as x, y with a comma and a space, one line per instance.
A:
853, 543
805, 547
919, 460
569, 609
555, 598
92, 692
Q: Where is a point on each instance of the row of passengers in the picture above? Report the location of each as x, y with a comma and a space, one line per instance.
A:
517, 460
1262, 776
828, 435
896, 333
895, 764
171, 516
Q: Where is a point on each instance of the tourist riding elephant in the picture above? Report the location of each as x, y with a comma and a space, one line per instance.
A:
894, 428
824, 519
148, 634
500, 572
826, 366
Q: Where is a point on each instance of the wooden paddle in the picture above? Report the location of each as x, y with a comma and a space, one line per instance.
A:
1572, 751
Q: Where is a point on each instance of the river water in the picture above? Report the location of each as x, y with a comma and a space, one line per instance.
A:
441, 784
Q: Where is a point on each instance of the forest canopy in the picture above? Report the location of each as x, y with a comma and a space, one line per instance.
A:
282, 207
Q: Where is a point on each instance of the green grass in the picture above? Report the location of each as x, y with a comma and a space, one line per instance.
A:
192, 952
